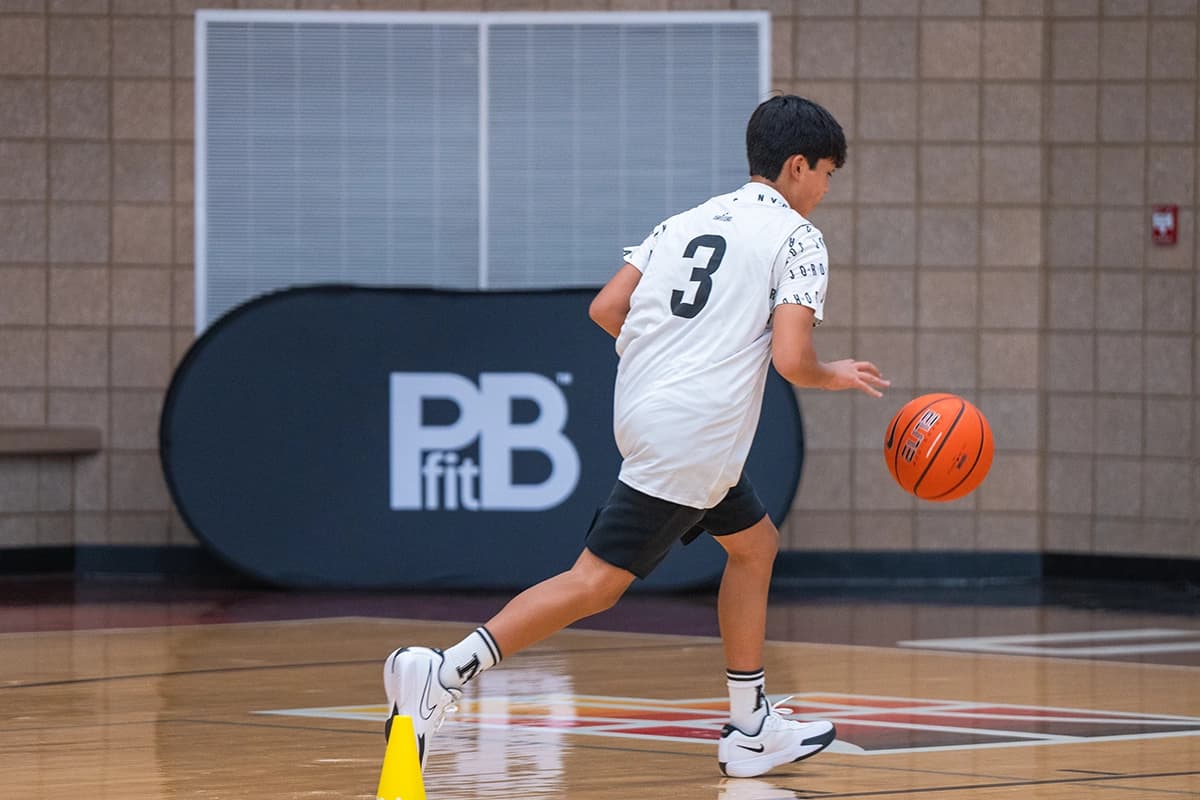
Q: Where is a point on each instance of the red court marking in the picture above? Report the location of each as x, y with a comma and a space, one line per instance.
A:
870, 702
1037, 711
873, 737
910, 725
546, 722
640, 713
1050, 727
671, 731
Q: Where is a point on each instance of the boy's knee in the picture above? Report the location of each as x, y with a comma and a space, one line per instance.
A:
600, 583
758, 544
766, 548
605, 591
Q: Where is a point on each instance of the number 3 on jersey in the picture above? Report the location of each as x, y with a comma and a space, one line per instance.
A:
700, 275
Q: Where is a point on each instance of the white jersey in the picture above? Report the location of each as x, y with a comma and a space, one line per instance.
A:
697, 340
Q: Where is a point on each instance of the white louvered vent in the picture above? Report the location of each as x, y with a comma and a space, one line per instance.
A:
468, 151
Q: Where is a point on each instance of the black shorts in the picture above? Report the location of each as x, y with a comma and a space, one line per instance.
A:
635, 531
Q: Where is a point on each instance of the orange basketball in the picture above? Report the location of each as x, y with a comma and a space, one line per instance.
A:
938, 447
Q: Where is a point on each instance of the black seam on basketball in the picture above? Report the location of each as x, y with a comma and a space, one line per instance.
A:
940, 445
896, 455
888, 444
975, 463
890, 439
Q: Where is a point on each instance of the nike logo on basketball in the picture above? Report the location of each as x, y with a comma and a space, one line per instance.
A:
758, 749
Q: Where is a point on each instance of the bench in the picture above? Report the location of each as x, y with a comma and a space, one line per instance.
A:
50, 440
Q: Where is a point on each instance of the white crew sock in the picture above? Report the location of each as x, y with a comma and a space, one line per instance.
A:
468, 658
748, 704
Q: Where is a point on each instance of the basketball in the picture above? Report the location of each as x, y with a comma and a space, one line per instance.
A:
938, 447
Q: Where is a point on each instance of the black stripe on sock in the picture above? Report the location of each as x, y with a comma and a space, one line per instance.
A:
748, 677
492, 647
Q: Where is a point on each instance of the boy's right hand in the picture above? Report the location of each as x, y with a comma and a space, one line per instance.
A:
861, 375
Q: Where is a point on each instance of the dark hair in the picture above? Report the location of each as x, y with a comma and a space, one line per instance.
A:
787, 125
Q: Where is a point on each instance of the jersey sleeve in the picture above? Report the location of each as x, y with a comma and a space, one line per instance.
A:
639, 256
801, 270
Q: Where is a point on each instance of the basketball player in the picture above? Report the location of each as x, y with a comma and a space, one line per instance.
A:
698, 310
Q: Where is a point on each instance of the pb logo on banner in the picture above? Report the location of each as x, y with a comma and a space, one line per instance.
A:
434, 466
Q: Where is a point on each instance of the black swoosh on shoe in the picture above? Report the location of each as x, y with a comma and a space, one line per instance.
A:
824, 739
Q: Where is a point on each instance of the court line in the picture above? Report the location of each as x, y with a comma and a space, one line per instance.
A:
181, 673
344, 618
1143, 790
1006, 784
185, 625
892, 649
1090, 771
379, 733
298, 665
1040, 644
707, 755
709, 747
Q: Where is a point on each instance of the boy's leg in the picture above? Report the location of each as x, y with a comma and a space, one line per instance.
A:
590, 586
742, 617
423, 683
630, 535
633, 530
742, 601
758, 738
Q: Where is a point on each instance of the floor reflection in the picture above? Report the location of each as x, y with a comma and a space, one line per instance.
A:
493, 759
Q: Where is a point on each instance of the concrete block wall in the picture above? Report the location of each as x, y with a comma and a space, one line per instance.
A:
989, 236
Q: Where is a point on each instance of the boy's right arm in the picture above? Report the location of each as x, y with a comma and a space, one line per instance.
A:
795, 357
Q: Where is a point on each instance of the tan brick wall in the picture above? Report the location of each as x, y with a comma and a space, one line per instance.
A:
989, 237
994, 235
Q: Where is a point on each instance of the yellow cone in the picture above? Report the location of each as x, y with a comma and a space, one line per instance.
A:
401, 775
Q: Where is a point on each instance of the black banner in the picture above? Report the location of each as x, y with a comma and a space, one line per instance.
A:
385, 438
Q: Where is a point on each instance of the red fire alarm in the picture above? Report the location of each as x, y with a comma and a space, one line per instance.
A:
1164, 224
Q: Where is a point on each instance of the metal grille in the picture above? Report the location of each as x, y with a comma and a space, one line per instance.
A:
467, 151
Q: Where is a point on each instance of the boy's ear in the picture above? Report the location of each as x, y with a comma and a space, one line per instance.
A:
787, 169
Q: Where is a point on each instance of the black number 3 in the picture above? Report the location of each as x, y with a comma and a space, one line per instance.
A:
701, 275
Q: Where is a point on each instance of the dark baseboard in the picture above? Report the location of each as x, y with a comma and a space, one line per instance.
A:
1117, 568
903, 567
148, 560
947, 568
114, 560
37, 560
793, 567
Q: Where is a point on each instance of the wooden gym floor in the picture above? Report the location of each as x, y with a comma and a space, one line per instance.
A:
129, 691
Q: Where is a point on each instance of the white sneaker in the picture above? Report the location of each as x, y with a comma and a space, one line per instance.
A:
410, 677
778, 741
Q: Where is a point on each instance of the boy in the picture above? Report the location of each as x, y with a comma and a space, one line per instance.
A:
698, 310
